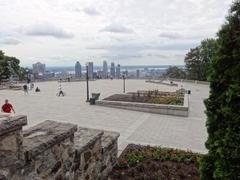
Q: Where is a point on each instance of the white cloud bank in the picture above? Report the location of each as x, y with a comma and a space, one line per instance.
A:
131, 31
46, 29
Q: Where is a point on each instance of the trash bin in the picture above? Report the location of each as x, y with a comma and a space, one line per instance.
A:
92, 101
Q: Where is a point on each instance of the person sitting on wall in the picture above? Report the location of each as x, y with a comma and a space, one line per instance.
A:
37, 90
7, 107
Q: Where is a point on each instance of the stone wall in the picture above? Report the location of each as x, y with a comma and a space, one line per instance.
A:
53, 150
190, 81
175, 110
162, 83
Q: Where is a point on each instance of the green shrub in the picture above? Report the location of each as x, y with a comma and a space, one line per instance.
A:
134, 158
166, 100
223, 105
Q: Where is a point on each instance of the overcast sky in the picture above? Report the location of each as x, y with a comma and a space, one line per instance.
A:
129, 32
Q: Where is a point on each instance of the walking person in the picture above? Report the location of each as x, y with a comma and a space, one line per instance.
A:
25, 89
60, 91
7, 107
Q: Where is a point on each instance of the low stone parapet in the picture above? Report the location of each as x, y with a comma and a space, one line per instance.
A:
53, 150
11, 144
190, 81
87, 161
109, 152
162, 83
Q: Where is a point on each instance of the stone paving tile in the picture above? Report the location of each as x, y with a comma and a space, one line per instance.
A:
137, 127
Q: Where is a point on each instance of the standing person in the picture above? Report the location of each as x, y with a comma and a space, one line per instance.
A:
25, 89
7, 107
31, 86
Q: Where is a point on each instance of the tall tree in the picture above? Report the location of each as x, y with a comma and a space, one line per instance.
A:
193, 64
198, 60
223, 104
208, 50
175, 72
9, 66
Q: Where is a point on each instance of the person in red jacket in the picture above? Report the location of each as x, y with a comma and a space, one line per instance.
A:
7, 107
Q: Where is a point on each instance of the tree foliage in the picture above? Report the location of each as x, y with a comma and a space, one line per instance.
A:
223, 104
175, 72
9, 66
198, 60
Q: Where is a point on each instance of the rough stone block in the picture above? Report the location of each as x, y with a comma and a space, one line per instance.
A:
10, 124
45, 135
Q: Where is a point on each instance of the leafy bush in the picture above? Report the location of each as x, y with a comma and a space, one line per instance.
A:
223, 105
136, 156
173, 100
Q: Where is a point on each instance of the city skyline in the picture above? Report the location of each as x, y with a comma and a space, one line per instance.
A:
162, 35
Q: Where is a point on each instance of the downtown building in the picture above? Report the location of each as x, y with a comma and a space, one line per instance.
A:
118, 71
137, 73
90, 70
105, 70
78, 70
112, 70
39, 70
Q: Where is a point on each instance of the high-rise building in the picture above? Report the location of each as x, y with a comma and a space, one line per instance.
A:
138, 73
78, 70
39, 68
112, 70
105, 69
118, 71
90, 70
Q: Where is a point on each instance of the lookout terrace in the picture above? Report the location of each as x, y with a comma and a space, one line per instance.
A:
134, 127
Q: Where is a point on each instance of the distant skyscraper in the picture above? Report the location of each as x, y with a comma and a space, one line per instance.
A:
105, 69
78, 70
39, 68
90, 70
112, 70
118, 71
138, 73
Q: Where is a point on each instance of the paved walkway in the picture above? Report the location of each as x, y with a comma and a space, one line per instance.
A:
134, 127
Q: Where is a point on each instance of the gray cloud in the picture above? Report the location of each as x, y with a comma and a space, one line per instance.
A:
144, 47
48, 30
170, 35
91, 11
116, 28
10, 41
156, 55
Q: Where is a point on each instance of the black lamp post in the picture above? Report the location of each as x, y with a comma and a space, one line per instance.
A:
124, 84
87, 83
28, 79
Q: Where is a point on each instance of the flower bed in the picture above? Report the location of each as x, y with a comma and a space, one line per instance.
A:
153, 97
145, 162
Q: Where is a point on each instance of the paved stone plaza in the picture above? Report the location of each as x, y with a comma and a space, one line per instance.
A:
134, 127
